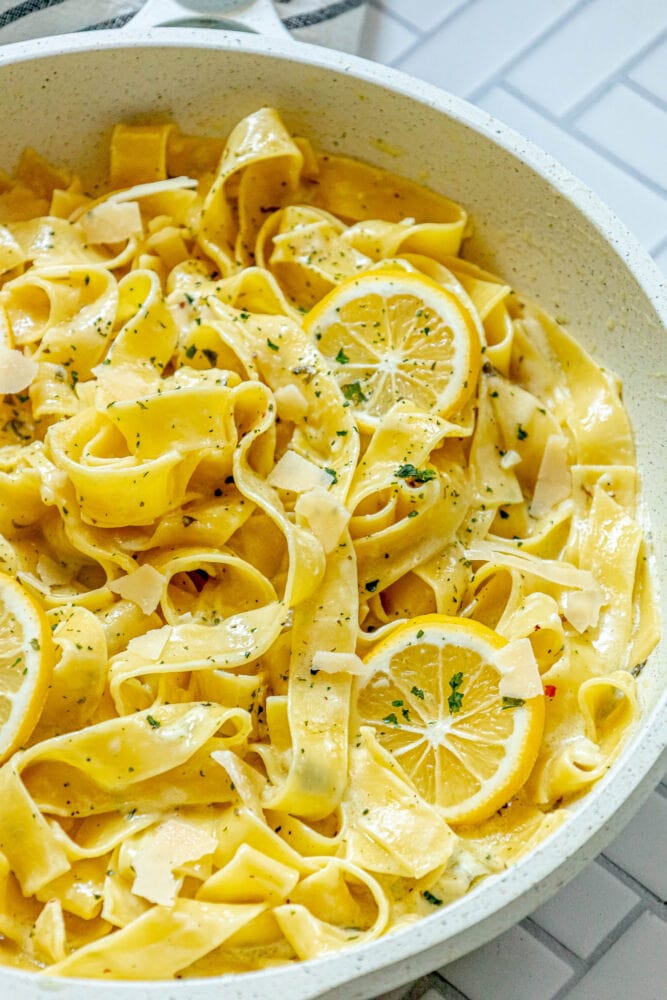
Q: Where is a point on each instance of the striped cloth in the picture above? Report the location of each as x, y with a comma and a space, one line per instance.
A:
335, 24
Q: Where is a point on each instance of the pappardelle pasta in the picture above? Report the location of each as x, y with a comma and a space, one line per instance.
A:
323, 588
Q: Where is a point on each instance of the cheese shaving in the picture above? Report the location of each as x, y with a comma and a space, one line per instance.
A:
16, 371
554, 482
326, 516
339, 663
150, 188
246, 782
168, 847
150, 645
144, 588
118, 382
558, 572
52, 573
510, 459
295, 473
291, 404
520, 673
582, 608
11, 254
111, 222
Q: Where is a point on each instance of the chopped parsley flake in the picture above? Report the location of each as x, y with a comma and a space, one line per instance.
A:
455, 700
414, 475
430, 898
513, 702
353, 392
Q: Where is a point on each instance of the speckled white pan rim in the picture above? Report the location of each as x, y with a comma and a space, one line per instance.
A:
502, 899
617, 234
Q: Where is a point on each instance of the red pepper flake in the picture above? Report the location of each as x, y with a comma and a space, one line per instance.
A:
550, 690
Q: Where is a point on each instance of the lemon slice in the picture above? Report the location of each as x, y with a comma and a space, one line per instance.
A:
433, 697
26, 663
390, 335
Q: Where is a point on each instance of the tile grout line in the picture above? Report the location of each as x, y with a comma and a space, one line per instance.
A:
631, 882
589, 963
453, 992
578, 133
574, 132
499, 75
618, 74
498, 78
648, 95
626, 69
551, 942
395, 18
422, 34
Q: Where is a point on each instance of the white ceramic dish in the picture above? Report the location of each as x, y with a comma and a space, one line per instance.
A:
534, 223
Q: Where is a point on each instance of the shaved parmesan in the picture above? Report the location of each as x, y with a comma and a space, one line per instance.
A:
582, 608
510, 459
291, 403
117, 382
584, 753
553, 570
246, 781
51, 572
11, 254
150, 188
554, 482
298, 474
326, 516
520, 673
49, 933
162, 850
144, 588
16, 371
339, 663
150, 646
111, 222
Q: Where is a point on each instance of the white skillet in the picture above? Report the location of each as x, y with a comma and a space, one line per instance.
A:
534, 223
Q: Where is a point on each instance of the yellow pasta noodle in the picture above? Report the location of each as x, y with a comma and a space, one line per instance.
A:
333, 539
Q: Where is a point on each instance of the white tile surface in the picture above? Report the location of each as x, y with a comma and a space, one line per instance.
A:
641, 849
634, 967
399, 994
589, 47
644, 211
515, 966
661, 259
423, 14
651, 71
479, 39
384, 36
643, 135
587, 910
